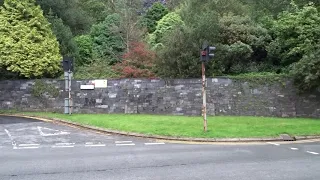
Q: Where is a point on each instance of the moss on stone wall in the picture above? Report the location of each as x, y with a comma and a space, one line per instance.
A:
40, 88
258, 79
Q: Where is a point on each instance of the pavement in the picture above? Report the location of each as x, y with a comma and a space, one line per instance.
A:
37, 150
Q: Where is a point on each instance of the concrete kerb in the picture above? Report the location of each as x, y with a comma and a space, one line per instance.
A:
157, 137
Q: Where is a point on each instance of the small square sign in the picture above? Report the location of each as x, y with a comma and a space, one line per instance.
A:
100, 83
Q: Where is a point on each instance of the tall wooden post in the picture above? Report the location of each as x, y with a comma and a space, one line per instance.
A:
204, 97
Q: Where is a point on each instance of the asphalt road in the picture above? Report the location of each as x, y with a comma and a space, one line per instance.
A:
34, 150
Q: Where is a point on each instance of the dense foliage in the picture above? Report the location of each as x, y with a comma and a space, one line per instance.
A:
28, 46
162, 38
107, 42
64, 36
138, 62
153, 15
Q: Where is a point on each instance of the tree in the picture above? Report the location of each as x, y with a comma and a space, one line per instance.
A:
192, 10
107, 41
97, 9
262, 8
95, 69
64, 36
128, 11
153, 15
164, 26
71, 12
306, 72
148, 3
84, 44
241, 44
272, 7
27, 44
136, 63
179, 56
295, 34
296, 44
173, 4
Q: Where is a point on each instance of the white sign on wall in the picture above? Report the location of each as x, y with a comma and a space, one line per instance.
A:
100, 83
87, 87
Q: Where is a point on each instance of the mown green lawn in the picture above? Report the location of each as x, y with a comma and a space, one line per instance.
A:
182, 126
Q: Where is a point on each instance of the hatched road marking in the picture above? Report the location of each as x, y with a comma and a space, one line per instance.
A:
11, 138
55, 132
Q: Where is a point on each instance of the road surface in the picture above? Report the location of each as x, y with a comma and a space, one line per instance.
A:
36, 150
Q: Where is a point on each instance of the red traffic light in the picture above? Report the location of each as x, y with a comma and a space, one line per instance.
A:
203, 53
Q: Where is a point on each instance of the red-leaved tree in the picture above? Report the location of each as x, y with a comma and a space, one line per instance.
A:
137, 63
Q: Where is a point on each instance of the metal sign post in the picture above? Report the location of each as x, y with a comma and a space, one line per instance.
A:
205, 56
67, 65
69, 91
66, 85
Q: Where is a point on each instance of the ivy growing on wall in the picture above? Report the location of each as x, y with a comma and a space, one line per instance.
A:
262, 78
40, 88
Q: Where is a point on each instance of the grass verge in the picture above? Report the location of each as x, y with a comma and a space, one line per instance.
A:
182, 126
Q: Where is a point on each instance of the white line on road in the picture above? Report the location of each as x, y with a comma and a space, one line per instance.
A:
312, 152
56, 132
23, 145
8, 133
62, 146
11, 138
294, 148
118, 142
154, 143
30, 147
94, 145
131, 144
273, 143
89, 143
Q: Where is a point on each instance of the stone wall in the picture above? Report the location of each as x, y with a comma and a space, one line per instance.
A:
176, 96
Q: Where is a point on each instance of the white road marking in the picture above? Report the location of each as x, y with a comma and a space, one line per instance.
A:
273, 143
89, 143
118, 142
131, 144
23, 145
154, 143
62, 146
30, 147
8, 133
294, 148
11, 138
312, 152
94, 145
56, 132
